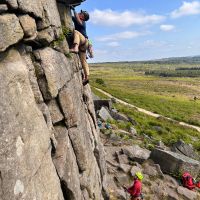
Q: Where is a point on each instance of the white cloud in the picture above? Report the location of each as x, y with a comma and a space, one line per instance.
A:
113, 44
153, 44
157, 44
124, 19
121, 36
167, 27
187, 8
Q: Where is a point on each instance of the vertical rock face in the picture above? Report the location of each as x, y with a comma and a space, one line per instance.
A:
25, 151
49, 141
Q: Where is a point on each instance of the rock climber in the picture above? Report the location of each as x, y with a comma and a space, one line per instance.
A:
81, 43
136, 189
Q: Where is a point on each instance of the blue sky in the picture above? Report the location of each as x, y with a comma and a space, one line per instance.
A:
128, 30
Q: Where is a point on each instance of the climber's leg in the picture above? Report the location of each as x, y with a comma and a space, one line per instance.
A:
82, 55
79, 40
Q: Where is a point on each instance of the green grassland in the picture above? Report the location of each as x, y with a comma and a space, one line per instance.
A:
168, 131
171, 96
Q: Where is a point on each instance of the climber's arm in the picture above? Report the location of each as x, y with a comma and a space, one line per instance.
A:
76, 16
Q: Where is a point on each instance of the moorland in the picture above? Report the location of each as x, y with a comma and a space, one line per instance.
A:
167, 87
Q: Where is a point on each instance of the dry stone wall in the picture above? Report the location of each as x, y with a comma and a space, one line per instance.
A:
49, 141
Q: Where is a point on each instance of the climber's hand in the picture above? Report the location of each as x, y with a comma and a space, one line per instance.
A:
72, 8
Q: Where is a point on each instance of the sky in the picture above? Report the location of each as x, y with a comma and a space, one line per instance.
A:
132, 30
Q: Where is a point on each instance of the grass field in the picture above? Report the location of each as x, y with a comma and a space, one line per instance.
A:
169, 96
158, 129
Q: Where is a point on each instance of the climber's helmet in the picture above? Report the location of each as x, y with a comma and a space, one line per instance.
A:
139, 175
86, 15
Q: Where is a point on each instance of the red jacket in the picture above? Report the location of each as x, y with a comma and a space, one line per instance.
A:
188, 181
136, 189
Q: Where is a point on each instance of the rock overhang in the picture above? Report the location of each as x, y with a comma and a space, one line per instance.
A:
71, 2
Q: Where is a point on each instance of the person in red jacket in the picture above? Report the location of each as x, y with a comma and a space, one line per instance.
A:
189, 182
136, 189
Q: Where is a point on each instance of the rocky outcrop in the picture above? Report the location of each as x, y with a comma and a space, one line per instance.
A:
155, 184
49, 141
136, 153
25, 139
173, 163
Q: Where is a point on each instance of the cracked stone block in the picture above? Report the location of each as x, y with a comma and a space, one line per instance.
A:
65, 163
10, 30
29, 26
29, 6
55, 112
172, 163
57, 70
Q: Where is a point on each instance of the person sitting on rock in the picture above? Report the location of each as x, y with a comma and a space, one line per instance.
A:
189, 182
136, 189
81, 44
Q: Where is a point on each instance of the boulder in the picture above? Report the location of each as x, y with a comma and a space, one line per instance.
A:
133, 131
125, 168
122, 158
161, 145
29, 26
188, 194
98, 104
173, 163
45, 10
10, 30
132, 121
46, 36
118, 116
51, 17
29, 6
170, 181
172, 194
153, 170
185, 149
121, 179
111, 154
136, 153
104, 114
